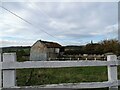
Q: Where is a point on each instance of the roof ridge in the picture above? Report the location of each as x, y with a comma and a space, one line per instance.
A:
51, 44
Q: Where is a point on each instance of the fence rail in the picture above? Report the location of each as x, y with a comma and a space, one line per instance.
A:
77, 85
56, 64
8, 65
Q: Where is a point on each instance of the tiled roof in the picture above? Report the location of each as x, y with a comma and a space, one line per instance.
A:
51, 44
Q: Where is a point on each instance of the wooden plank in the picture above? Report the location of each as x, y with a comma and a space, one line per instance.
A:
75, 85
55, 64
9, 76
112, 71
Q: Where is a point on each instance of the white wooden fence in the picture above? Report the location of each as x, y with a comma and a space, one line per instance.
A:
8, 65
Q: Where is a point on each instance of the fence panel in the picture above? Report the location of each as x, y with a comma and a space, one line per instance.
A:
9, 65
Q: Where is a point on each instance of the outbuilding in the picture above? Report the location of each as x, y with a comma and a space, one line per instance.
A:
43, 50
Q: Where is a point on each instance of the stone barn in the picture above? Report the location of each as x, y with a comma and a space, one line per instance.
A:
43, 50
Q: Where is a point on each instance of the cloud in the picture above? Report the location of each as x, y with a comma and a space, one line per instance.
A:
81, 21
61, 1
5, 43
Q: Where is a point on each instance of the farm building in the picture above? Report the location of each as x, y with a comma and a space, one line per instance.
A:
43, 50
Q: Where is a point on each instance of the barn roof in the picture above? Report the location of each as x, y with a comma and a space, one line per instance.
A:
51, 44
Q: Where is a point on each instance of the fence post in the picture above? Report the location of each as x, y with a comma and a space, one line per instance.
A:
0, 71
112, 71
9, 76
95, 59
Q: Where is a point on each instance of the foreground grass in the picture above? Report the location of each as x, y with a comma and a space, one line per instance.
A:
62, 75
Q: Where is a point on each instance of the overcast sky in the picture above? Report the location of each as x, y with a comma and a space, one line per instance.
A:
68, 23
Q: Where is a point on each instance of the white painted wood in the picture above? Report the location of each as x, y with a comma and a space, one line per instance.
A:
9, 79
82, 85
55, 64
112, 71
76, 85
95, 58
0, 71
9, 65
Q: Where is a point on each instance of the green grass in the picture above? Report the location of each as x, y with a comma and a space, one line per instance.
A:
62, 75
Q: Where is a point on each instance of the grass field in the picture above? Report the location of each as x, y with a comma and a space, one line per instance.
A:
62, 75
